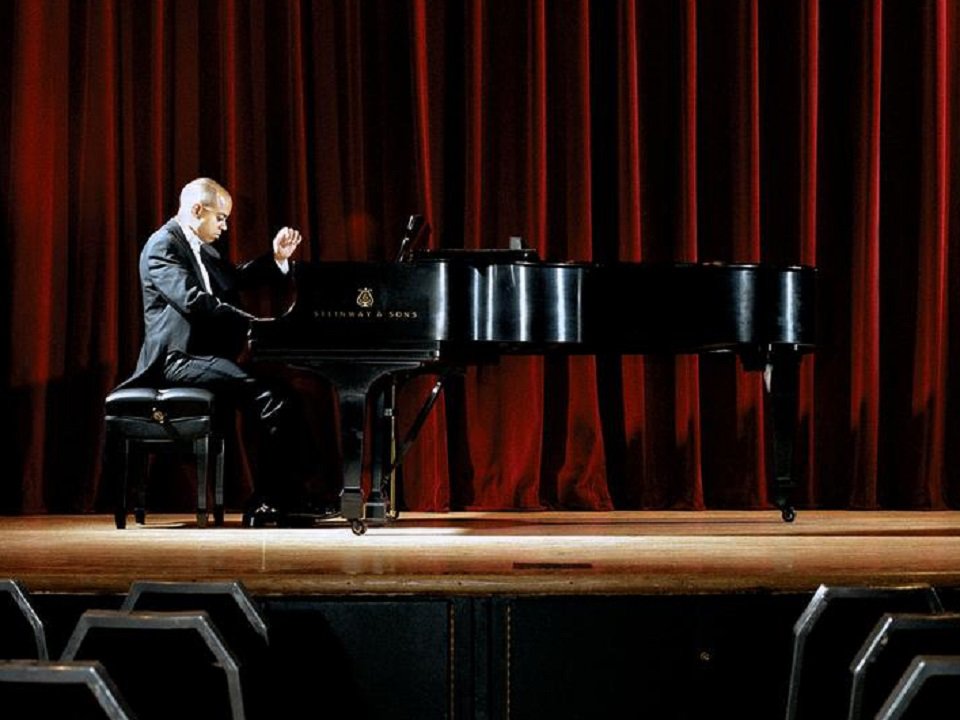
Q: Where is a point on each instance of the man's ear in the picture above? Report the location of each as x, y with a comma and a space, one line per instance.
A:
197, 210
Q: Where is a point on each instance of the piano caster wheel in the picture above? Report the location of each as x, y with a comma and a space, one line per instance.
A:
788, 514
359, 527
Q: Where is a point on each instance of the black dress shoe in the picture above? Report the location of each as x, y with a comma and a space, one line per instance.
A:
261, 516
294, 520
306, 517
322, 511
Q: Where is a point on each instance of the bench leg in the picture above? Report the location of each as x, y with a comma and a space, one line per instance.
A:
137, 468
201, 448
218, 483
117, 466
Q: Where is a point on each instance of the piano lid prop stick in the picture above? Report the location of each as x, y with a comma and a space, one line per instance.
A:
420, 420
411, 232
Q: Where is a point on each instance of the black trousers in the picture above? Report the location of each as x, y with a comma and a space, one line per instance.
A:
269, 413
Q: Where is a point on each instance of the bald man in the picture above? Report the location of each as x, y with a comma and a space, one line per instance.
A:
195, 329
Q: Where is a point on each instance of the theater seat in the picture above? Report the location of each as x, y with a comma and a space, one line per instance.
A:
827, 636
928, 689
80, 690
239, 619
141, 420
22, 634
895, 641
166, 664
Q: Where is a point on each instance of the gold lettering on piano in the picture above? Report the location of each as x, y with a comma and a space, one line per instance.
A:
347, 314
366, 314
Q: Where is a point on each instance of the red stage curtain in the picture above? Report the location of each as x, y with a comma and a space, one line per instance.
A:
637, 130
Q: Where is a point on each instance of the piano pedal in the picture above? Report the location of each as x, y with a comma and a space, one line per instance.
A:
375, 512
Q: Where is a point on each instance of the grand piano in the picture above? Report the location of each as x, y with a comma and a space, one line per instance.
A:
367, 326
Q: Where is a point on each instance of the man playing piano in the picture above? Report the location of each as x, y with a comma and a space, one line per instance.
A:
195, 332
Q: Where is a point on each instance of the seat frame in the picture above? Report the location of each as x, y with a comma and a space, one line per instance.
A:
197, 621
799, 689
90, 673
13, 588
922, 669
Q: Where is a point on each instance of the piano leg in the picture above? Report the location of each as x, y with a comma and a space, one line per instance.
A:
781, 378
384, 432
353, 404
356, 385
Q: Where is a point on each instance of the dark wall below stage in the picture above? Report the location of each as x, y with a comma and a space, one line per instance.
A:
520, 657
365, 658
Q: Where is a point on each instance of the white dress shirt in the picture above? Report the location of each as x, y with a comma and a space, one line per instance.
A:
195, 243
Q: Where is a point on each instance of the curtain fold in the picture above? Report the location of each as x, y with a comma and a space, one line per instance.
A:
796, 132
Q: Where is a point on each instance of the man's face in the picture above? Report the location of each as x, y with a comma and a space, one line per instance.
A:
210, 220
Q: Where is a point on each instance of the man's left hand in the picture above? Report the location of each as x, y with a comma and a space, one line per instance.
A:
285, 243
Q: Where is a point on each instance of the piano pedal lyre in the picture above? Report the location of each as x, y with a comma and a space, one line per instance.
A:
383, 506
380, 507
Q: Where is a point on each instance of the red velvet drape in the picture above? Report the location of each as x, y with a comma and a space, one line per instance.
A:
691, 130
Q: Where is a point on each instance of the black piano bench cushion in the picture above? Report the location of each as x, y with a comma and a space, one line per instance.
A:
154, 418
150, 413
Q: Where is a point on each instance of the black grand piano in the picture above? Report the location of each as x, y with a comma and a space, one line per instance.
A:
365, 326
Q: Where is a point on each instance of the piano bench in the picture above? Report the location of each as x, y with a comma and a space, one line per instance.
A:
141, 420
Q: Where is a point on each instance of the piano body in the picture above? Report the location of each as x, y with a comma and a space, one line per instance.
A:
364, 325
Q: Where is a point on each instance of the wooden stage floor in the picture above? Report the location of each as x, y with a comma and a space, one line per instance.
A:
494, 553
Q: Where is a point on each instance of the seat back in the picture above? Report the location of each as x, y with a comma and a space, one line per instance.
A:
75, 690
827, 636
234, 612
167, 664
929, 688
888, 651
22, 635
